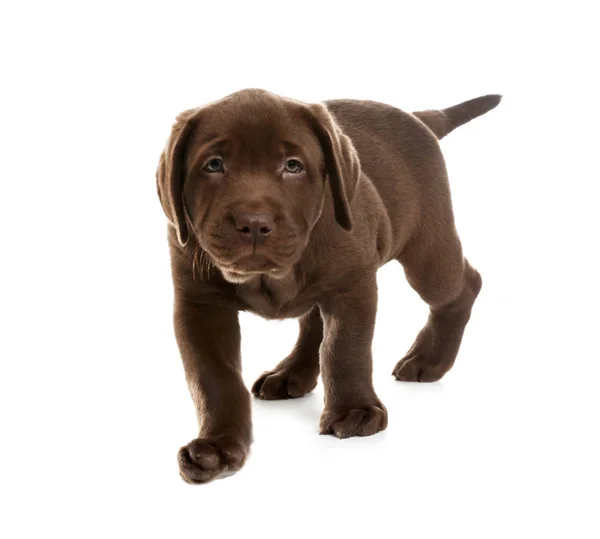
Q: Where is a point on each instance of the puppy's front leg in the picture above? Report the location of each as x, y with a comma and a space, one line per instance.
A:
209, 342
351, 406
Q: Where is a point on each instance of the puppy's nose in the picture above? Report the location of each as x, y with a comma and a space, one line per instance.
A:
254, 227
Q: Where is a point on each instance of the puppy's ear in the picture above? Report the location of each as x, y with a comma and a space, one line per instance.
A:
170, 174
342, 165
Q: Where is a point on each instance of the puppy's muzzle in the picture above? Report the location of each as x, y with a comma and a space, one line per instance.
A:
254, 227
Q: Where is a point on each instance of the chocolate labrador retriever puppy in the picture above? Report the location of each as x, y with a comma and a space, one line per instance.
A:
287, 209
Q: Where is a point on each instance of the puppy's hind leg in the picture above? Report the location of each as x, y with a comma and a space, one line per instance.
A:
297, 374
449, 284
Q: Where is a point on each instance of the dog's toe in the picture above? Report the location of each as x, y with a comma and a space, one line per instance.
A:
354, 422
275, 385
418, 368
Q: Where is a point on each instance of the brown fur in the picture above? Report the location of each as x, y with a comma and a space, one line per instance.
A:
257, 235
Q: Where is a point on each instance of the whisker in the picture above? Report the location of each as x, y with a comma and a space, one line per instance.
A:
206, 262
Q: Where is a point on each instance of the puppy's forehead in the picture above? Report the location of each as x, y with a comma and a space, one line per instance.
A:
256, 121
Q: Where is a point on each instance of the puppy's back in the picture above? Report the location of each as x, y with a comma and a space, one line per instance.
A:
401, 157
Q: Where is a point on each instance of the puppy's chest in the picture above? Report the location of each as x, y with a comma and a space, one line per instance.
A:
271, 298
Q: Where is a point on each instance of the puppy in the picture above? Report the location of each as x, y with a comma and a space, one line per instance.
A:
287, 209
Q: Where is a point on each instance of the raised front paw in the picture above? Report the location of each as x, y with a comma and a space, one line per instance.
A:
284, 384
364, 421
205, 459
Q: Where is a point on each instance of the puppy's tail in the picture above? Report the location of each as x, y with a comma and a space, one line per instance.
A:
442, 122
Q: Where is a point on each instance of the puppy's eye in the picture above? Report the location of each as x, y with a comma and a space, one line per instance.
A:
293, 166
214, 165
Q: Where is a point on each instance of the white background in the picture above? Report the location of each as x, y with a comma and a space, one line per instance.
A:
93, 401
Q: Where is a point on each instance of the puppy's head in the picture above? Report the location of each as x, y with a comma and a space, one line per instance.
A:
247, 177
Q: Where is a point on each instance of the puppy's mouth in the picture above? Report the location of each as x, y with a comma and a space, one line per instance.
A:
255, 263
247, 267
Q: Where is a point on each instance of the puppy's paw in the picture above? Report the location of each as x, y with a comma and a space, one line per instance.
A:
364, 421
284, 384
205, 459
419, 367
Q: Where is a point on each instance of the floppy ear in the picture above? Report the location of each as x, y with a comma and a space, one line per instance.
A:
170, 174
342, 165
